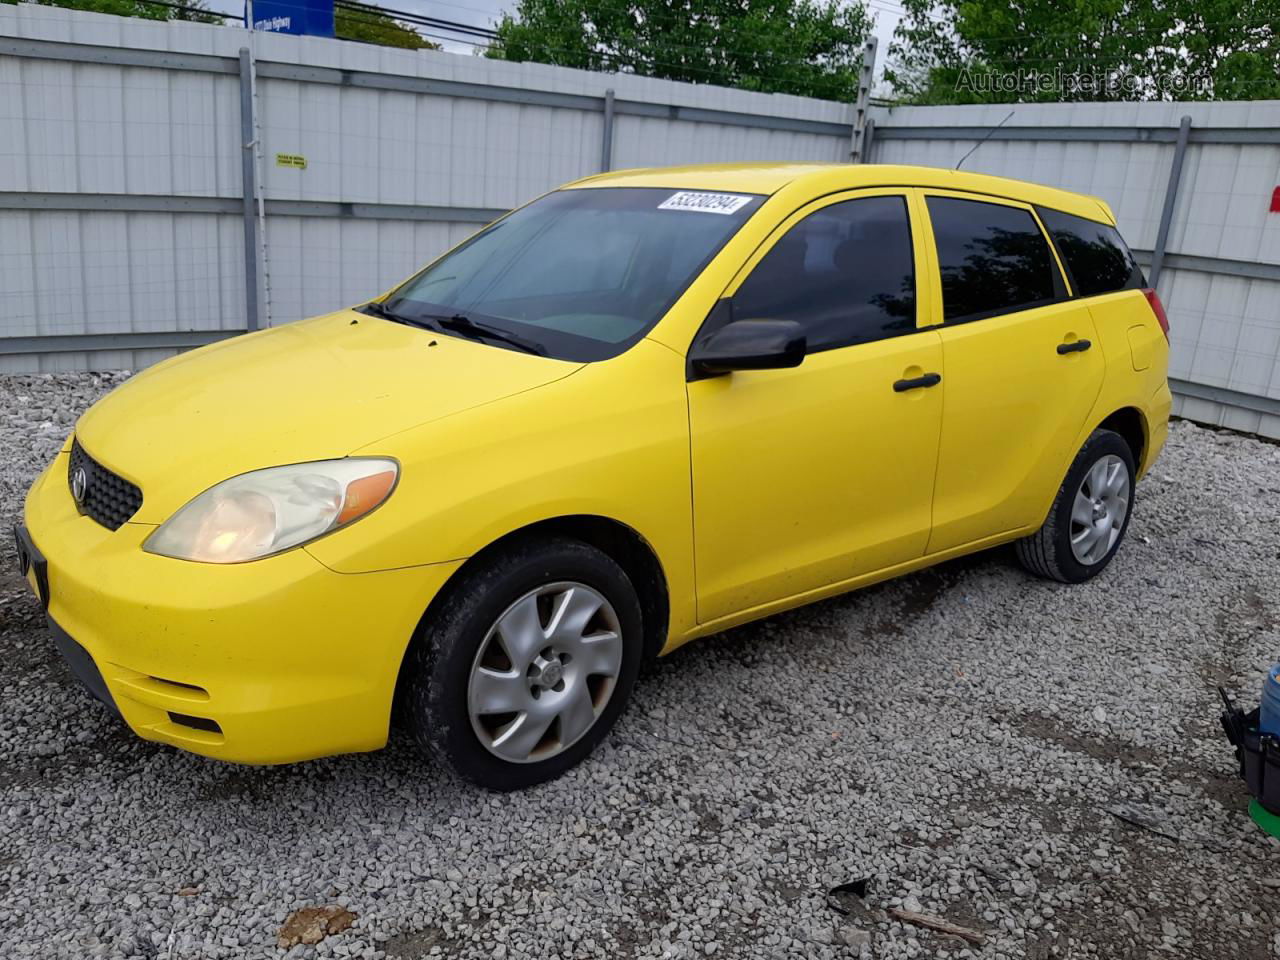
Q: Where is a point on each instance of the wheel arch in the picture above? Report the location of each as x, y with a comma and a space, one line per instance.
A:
1128, 421
625, 545
1132, 427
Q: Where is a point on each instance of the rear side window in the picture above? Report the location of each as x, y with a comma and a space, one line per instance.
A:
993, 258
845, 273
1097, 259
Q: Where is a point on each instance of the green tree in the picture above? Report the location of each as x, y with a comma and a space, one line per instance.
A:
994, 51
807, 47
355, 21
139, 8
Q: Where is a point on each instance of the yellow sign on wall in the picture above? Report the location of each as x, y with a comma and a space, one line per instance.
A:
291, 160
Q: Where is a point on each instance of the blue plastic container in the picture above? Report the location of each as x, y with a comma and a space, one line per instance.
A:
1269, 710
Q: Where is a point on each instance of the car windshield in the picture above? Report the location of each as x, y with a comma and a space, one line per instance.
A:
582, 273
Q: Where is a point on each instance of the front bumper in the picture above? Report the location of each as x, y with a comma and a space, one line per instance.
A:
81, 664
272, 661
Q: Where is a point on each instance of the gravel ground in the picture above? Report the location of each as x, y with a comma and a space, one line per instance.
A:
962, 739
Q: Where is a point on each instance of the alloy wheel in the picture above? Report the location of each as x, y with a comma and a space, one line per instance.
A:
1099, 509
544, 672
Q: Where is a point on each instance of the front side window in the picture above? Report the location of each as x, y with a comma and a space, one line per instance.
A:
993, 259
845, 273
1097, 259
584, 273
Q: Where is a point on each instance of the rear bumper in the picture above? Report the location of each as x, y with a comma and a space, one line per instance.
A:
1158, 426
272, 661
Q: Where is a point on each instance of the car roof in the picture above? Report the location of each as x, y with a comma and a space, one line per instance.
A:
820, 179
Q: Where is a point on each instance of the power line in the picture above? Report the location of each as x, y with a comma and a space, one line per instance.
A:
371, 19
602, 56
488, 34
493, 34
1082, 35
418, 18
1076, 59
462, 6
1079, 36
1174, 30
761, 60
202, 11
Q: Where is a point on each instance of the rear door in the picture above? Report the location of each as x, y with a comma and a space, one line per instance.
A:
1100, 266
810, 476
1022, 361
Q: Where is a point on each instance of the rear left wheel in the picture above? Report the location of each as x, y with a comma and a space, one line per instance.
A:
526, 664
1089, 516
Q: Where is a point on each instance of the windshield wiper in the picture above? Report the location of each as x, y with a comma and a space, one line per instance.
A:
464, 325
376, 309
456, 322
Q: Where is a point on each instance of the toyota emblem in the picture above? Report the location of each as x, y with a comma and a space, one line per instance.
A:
79, 484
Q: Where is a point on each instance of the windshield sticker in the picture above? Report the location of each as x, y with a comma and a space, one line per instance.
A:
724, 203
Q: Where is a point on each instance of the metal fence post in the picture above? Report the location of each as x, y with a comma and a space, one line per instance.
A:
1170, 198
249, 183
868, 139
865, 78
606, 139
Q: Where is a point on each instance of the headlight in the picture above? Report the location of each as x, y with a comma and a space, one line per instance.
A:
260, 513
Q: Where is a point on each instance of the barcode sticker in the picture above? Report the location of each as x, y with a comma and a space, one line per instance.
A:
698, 202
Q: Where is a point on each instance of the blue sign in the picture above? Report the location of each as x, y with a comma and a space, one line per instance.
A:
311, 17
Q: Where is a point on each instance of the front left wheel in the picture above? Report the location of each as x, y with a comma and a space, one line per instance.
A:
526, 663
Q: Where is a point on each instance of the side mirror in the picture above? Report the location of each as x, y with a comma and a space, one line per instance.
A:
749, 345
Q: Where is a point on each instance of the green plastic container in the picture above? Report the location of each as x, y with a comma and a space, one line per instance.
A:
1267, 821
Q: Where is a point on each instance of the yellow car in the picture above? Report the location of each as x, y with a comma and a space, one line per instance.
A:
639, 410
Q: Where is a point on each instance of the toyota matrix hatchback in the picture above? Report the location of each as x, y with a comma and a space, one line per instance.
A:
639, 410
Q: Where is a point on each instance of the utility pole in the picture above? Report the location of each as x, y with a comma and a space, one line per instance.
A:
865, 77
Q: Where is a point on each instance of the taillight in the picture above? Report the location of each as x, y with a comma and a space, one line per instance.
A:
1157, 308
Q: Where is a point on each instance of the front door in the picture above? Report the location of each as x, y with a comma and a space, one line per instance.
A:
810, 476
1023, 368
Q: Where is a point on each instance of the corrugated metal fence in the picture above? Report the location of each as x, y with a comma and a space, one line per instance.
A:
1192, 185
124, 177
128, 197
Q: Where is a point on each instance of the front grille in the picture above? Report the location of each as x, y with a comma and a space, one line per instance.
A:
107, 498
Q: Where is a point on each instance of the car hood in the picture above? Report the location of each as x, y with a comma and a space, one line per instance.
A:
312, 390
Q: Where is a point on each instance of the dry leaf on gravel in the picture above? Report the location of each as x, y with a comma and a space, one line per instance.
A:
313, 924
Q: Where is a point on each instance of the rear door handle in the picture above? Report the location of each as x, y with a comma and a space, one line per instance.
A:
1075, 346
915, 383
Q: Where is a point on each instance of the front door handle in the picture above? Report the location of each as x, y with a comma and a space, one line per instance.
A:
915, 383
1075, 346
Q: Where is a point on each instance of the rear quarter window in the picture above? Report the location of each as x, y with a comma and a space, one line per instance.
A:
1097, 259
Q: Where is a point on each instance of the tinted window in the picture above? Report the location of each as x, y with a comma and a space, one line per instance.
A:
845, 273
585, 273
1097, 259
993, 258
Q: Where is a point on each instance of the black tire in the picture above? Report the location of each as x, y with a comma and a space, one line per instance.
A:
1047, 552
440, 658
